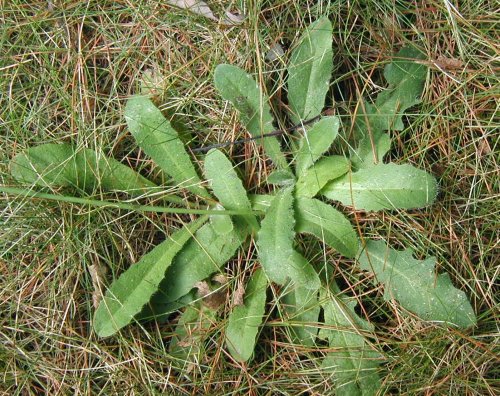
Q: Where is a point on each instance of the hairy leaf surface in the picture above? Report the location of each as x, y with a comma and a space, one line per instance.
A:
327, 224
62, 165
227, 186
315, 143
354, 362
245, 320
134, 288
414, 284
385, 186
406, 80
318, 175
238, 87
275, 238
160, 141
310, 70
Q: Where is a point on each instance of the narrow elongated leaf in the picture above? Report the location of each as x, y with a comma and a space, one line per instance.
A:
134, 288
406, 81
353, 362
310, 70
226, 185
245, 95
318, 175
315, 143
327, 224
245, 320
160, 141
303, 308
202, 256
415, 286
275, 238
385, 186
62, 165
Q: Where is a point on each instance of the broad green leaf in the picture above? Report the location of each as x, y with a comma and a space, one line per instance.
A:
281, 177
134, 288
318, 175
353, 362
310, 70
414, 284
160, 141
275, 237
238, 87
203, 255
222, 224
303, 273
327, 224
245, 320
385, 186
160, 311
406, 80
62, 165
190, 334
227, 186
303, 308
315, 142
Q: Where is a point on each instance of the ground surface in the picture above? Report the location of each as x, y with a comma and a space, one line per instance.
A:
67, 68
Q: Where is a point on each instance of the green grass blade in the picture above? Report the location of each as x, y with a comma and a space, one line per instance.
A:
385, 186
238, 87
414, 284
160, 141
275, 237
135, 287
327, 224
227, 186
62, 165
317, 176
310, 70
315, 142
245, 320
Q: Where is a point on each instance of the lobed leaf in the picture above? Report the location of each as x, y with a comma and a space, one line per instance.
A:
275, 237
315, 143
327, 224
385, 186
309, 71
245, 320
238, 87
353, 362
318, 175
62, 165
134, 288
160, 141
415, 286
226, 185
406, 80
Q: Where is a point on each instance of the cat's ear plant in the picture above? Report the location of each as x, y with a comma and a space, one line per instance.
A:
164, 280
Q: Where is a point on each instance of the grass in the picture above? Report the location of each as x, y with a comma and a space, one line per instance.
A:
66, 72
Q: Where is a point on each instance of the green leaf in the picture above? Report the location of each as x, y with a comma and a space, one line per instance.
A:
275, 237
310, 70
303, 273
226, 185
318, 175
353, 362
203, 255
406, 80
134, 288
62, 165
327, 224
303, 309
238, 87
281, 177
160, 141
222, 224
245, 320
385, 186
315, 143
414, 284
